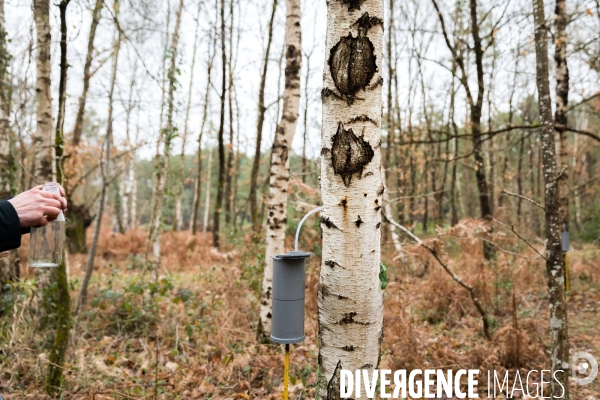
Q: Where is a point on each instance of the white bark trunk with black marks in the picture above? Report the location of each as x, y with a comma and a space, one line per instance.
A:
562, 104
280, 158
43, 138
559, 350
350, 298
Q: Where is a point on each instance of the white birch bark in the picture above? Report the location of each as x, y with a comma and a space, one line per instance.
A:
559, 348
350, 298
280, 158
43, 138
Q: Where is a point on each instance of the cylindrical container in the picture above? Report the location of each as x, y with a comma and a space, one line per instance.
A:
46, 244
289, 272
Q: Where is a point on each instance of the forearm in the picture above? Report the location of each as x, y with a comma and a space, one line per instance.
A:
10, 228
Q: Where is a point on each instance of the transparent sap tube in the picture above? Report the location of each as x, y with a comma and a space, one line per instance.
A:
46, 244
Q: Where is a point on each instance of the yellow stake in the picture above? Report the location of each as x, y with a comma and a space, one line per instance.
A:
567, 283
286, 372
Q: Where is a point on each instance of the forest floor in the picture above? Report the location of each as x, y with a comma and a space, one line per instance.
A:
190, 332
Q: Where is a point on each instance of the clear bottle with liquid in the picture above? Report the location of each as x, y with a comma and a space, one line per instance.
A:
46, 244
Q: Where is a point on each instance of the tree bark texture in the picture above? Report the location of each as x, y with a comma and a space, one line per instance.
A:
350, 298
559, 350
280, 159
562, 105
220, 134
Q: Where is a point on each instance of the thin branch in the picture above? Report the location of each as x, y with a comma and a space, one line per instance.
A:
585, 133
592, 97
469, 288
535, 203
520, 237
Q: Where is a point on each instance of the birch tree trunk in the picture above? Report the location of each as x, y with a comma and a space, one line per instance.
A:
8, 265
562, 104
350, 298
166, 136
280, 159
559, 351
43, 138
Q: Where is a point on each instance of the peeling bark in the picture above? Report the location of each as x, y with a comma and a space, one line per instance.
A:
559, 350
280, 159
351, 309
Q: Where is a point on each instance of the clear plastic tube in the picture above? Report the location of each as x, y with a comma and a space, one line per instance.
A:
46, 244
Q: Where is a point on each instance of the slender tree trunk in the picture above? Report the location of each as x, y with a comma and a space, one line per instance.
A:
350, 298
562, 104
60, 300
77, 130
305, 120
230, 152
280, 160
105, 170
127, 205
178, 218
198, 182
559, 349
259, 123
220, 139
43, 168
166, 136
520, 175
8, 177
207, 203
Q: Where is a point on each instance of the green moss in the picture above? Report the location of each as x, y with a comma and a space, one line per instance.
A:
62, 308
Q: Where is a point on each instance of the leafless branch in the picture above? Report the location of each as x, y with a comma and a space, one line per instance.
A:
535, 203
512, 229
457, 279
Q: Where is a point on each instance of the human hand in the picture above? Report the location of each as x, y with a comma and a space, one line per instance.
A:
37, 207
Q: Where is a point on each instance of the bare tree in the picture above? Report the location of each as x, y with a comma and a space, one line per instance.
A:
178, 217
220, 134
350, 298
198, 181
167, 134
260, 121
280, 160
104, 170
554, 261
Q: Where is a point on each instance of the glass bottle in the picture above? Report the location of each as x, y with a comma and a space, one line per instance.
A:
46, 244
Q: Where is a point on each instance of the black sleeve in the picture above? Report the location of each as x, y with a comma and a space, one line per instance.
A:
10, 227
